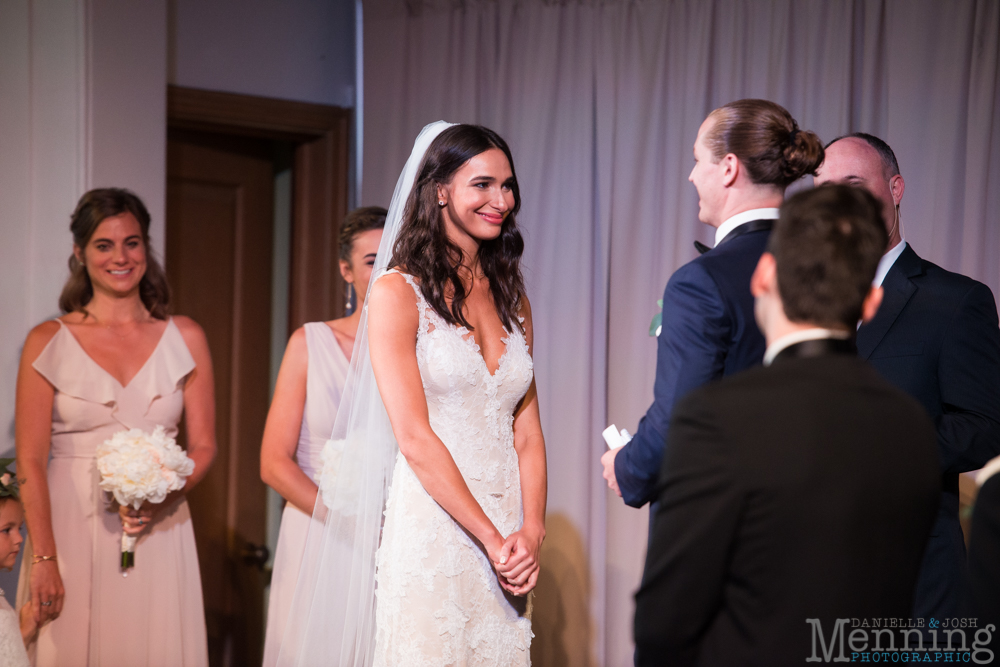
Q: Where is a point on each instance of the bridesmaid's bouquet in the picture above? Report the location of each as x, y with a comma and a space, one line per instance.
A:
138, 467
340, 475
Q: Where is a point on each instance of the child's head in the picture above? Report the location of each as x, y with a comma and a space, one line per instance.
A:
11, 517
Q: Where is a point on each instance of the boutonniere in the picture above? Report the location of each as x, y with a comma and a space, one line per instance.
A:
657, 324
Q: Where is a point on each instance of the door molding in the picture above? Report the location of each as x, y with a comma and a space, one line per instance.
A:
319, 181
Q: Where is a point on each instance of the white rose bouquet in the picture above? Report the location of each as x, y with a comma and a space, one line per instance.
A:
138, 467
340, 476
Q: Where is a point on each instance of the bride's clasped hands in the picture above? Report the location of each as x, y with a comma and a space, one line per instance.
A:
518, 562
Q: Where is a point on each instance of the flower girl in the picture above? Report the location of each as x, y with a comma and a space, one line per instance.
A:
15, 634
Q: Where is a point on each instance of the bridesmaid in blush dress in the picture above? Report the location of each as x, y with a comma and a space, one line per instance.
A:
300, 421
114, 361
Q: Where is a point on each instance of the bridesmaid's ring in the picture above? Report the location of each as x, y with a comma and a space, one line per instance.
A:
46, 604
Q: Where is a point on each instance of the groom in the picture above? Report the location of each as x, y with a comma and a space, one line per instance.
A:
708, 326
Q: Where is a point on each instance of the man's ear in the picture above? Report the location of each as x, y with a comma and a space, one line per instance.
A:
871, 303
730, 169
896, 188
764, 278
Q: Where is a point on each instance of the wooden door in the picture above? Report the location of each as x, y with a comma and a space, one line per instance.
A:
220, 192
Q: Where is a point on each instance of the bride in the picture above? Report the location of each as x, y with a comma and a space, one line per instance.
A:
449, 377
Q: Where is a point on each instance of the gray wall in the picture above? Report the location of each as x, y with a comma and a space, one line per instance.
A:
298, 50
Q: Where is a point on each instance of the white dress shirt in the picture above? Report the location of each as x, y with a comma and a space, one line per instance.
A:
798, 337
741, 218
888, 259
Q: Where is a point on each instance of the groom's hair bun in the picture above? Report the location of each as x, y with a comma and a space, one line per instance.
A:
767, 141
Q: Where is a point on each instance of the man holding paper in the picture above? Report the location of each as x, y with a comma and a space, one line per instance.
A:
746, 154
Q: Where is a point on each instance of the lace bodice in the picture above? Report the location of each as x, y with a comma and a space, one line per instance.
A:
438, 599
471, 410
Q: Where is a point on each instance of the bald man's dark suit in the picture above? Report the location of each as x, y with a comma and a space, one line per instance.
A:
936, 337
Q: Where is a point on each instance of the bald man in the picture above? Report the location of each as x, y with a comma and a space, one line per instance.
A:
936, 337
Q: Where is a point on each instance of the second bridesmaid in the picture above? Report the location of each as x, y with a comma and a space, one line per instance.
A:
304, 407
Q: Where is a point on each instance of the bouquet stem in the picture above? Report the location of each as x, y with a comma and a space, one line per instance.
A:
128, 551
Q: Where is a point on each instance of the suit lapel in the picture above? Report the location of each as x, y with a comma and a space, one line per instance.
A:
898, 288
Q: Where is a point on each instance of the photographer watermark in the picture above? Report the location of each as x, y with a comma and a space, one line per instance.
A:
901, 640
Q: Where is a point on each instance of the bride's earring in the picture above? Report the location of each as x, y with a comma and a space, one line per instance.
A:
350, 295
440, 202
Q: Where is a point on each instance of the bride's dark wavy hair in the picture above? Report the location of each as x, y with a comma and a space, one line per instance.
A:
423, 249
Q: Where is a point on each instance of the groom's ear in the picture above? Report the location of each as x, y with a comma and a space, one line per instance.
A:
730, 169
765, 277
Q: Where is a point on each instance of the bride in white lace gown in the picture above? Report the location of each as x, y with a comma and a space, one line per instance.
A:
450, 341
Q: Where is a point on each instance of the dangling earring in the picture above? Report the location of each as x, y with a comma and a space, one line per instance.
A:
350, 295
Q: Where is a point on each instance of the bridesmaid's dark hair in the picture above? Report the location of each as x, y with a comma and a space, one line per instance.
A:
423, 249
93, 208
359, 221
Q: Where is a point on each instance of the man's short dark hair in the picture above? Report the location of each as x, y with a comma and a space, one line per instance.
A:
889, 164
827, 244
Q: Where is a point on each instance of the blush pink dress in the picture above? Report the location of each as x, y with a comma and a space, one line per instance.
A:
326, 374
154, 616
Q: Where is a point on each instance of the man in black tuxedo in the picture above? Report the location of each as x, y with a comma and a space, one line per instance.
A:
805, 489
936, 337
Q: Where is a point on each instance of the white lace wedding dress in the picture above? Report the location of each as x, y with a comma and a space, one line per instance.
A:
439, 602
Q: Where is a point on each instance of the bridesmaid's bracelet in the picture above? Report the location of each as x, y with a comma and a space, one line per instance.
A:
36, 559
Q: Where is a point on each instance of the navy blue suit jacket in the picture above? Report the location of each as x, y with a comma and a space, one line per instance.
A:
708, 332
936, 337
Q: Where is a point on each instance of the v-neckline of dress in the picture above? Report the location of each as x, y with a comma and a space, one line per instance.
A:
463, 332
170, 323
478, 350
336, 342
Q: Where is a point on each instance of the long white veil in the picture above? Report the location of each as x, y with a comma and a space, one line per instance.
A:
332, 620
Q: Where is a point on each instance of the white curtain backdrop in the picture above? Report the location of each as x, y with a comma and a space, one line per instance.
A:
600, 101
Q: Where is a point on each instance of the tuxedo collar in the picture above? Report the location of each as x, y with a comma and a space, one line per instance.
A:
743, 217
817, 347
745, 228
898, 287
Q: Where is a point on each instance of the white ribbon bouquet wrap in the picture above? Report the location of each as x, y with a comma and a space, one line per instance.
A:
138, 467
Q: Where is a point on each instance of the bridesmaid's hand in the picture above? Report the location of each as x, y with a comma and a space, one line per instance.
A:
135, 521
521, 551
46, 587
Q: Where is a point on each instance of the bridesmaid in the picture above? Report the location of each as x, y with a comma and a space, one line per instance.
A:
114, 361
300, 421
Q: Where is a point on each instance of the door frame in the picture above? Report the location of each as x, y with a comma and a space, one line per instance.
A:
321, 136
